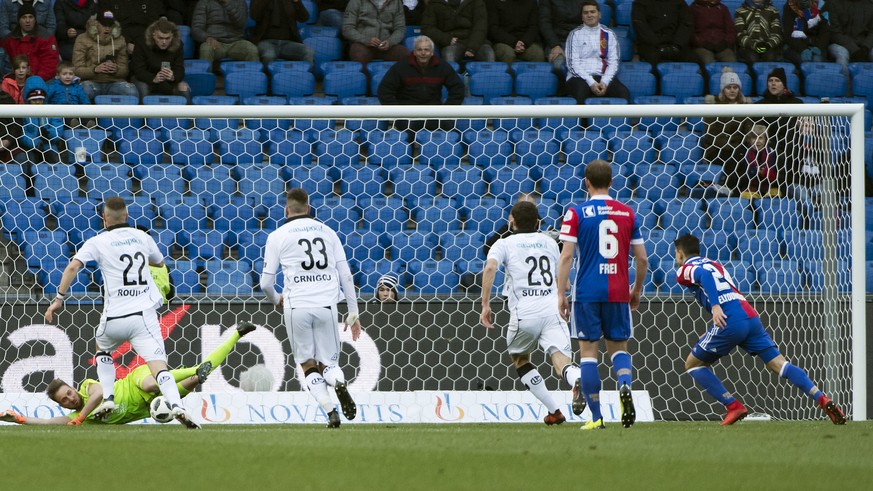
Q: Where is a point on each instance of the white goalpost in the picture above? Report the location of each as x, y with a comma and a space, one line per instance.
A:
419, 202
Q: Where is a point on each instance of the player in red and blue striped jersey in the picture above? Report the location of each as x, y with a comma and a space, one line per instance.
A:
735, 323
603, 233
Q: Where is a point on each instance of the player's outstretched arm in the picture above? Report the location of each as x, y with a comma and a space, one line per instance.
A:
95, 397
13, 417
488, 275
67, 278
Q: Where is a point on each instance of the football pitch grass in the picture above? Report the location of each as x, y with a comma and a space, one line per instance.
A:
663, 455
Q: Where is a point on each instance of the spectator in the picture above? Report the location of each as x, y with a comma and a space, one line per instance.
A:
459, 28
419, 81
218, 26
513, 29
664, 29
725, 137
759, 32
72, 16
34, 41
330, 13
41, 134
777, 89
851, 32
100, 58
66, 88
158, 64
782, 131
375, 29
805, 30
760, 176
135, 16
714, 32
13, 82
557, 19
276, 32
45, 16
592, 64
386, 288
413, 11
10, 135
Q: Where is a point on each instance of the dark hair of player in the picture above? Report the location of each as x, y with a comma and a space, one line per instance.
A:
525, 216
116, 204
297, 201
599, 174
588, 3
688, 244
53, 387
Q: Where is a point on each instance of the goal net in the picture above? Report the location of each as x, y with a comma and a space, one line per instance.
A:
774, 193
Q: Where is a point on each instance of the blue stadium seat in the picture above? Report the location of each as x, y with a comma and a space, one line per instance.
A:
169, 241
276, 67
485, 214
188, 44
681, 84
409, 246
413, 181
321, 31
293, 83
341, 66
315, 179
804, 245
364, 246
345, 83
90, 139
679, 149
337, 148
490, 84
45, 247
263, 125
743, 276
825, 84
232, 66
487, 147
623, 13
717, 67
106, 180
465, 246
182, 213
271, 209
362, 181
563, 183
12, 182
519, 67
462, 181
509, 124
388, 148
536, 84
232, 214
250, 244
206, 244
55, 181
289, 148
364, 125
581, 147
668, 67
731, 214
659, 245
645, 212
229, 278
534, 148
635, 148
141, 211
116, 125
626, 47
636, 66
245, 83
196, 66
240, 146
758, 246
436, 215
141, 146
212, 180
326, 49
781, 214
49, 279
661, 124
260, 179
807, 68
776, 277
815, 277
558, 125
340, 214
384, 214
508, 181
434, 277
475, 67
684, 215
202, 84
77, 216
186, 278
439, 148
190, 147
215, 123
167, 123
159, 181
718, 244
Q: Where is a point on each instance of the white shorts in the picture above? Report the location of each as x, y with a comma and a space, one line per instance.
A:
142, 330
314, 334
550, 333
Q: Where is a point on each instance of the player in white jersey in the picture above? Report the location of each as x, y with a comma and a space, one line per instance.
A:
130, 297
530, 259
315, 268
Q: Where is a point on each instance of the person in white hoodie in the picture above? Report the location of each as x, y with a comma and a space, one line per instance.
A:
593, 54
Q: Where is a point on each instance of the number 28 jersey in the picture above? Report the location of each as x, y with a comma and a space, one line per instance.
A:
123, 255
308, 252
603, 230
530, 261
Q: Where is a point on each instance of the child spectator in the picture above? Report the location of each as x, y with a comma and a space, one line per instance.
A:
761, 166
13, 83
41, 134
65, 87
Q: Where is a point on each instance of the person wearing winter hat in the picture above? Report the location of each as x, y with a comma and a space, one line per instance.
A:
777, 89
386, 288
723, 141
731, 87
10, 11
41, 134
100, 57
36, 42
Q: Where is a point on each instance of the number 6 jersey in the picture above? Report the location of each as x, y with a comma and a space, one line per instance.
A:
603, 230
123, 255
531, 263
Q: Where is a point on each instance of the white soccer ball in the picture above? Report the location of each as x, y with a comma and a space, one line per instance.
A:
160, 410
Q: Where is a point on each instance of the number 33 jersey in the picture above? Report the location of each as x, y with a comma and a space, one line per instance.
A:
603, 230
531, 264
308, 252
123, 255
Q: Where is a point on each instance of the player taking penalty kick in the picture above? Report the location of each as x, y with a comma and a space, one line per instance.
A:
530, 258
734, 323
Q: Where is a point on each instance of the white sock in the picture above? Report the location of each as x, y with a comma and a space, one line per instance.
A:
572, 374
333, 375
168, 387
106, 373
532, 379
318, 388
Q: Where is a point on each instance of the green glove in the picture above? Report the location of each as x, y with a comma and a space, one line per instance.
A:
161, 275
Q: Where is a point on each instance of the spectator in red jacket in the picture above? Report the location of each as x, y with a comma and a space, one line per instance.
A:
34, 41
714, 34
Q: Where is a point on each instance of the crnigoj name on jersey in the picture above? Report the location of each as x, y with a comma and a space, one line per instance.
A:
130, 292
727, 297
306, 278
533, 292
127, 242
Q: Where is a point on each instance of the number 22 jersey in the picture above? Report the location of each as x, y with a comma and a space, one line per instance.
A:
713, 285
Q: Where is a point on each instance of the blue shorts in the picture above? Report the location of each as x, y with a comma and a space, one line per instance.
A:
593, 320
748, 334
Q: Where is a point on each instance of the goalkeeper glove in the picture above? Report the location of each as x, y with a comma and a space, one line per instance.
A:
11, 417
161, 275
352, 318
77, 420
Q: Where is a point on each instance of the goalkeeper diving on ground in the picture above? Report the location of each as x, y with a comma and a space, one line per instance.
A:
133, 393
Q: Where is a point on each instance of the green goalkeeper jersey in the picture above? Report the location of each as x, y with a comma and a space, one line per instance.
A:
131, 402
